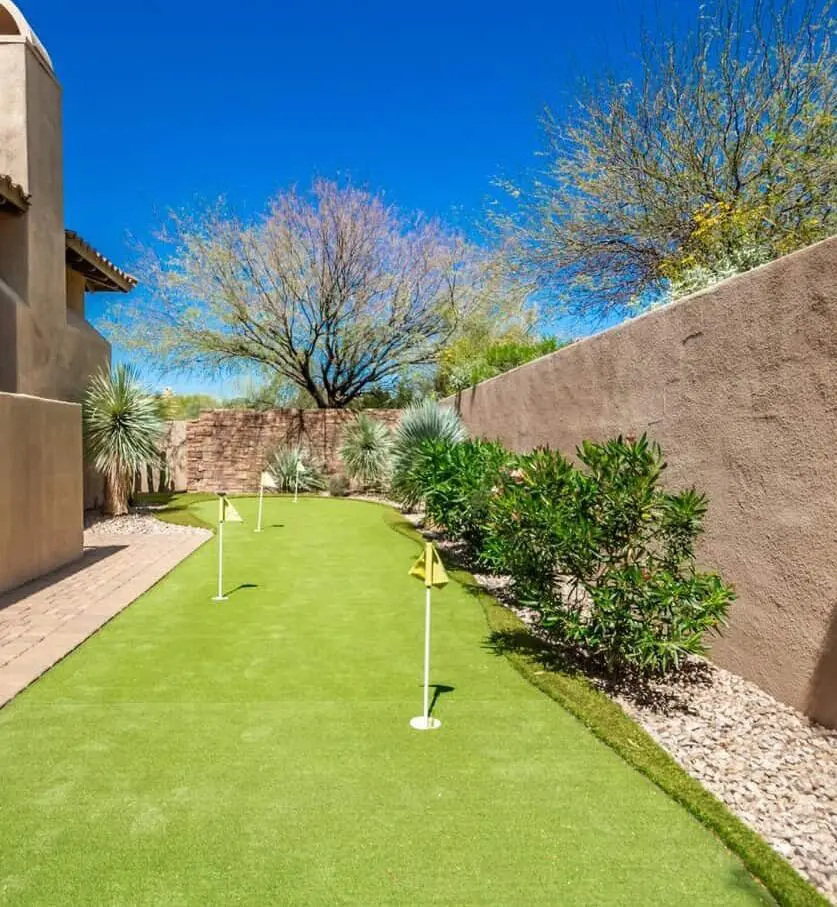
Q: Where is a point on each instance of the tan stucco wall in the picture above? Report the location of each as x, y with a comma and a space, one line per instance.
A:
47, 347
40, 487
739, 385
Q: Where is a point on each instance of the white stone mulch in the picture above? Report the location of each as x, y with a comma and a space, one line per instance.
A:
773, 767
96, 525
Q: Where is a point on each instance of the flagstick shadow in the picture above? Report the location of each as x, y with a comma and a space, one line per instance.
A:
241, 586
438, 690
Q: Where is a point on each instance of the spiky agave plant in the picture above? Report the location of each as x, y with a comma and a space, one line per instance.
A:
365, 451
282, 466
420, 422
122, 428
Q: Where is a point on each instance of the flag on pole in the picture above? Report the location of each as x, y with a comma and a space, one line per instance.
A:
226, 511
429, 568
267, 481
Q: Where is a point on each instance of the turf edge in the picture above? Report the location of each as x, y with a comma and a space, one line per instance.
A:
610, 724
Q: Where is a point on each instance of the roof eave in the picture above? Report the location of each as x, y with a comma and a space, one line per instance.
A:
101, 275
12, 195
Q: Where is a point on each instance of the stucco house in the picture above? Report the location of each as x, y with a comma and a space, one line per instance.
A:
48, 350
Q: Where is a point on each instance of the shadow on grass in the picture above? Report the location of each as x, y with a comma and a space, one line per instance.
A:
439, 689
242, 586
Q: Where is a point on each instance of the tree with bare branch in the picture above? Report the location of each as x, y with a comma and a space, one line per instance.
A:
333, 290
721, 157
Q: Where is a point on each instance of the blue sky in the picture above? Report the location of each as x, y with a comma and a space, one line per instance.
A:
166, 103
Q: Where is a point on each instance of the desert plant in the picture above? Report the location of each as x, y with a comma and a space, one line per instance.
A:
338, 486
292, 460
365, 451
607, 556
122, 427
458, 482
420, 422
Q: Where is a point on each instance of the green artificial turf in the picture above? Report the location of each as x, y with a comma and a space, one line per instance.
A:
258, 751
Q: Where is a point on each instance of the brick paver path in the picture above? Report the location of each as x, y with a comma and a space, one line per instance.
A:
47, 618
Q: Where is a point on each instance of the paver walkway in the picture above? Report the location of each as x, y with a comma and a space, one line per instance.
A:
47, 618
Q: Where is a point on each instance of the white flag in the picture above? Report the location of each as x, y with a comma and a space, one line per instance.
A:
268, 481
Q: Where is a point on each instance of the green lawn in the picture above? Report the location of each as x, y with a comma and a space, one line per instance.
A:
258, 751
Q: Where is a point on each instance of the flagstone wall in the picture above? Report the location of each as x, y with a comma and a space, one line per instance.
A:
739, 386
226, 450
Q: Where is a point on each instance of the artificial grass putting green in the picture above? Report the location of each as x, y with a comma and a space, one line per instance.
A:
258, 751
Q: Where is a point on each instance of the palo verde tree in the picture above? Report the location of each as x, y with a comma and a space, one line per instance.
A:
333, 291
720, 156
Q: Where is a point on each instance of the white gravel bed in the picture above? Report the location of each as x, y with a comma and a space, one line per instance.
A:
135, 524
772, 766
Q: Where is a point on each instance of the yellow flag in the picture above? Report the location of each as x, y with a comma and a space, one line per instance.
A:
226, 512
429, 567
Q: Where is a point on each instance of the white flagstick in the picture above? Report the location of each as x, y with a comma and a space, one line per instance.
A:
261, 502
425, 722
220, 597
296, 481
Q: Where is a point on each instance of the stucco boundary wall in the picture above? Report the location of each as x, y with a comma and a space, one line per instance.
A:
227, 449
739, 386
41, 491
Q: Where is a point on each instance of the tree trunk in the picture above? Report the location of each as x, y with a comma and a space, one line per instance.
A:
116, 496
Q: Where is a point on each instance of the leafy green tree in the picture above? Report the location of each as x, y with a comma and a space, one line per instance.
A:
475, 357
122, 427
185, 406
723, 154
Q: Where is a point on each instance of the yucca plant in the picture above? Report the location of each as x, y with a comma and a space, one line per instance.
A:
420, 422
366, 450
122, 428
282, 466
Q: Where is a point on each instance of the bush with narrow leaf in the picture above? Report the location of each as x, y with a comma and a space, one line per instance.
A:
606, 555
458, 482
420, 422
366, 452
601, 550
291, 467
122, 429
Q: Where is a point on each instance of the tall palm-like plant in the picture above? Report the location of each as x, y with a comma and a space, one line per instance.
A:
365, 451
122, 428
420, 422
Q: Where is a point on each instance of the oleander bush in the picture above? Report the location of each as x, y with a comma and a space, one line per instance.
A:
601, 550
459, 482
419, 423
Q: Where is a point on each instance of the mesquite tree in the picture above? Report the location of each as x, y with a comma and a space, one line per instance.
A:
720, 156
334, 291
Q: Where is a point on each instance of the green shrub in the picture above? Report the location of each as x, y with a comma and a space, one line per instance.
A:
338, 486
282, 466
606, 555
420, 422
366, 451
458, 482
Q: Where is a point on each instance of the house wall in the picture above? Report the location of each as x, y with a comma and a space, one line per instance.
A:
54, 350
227, 450
40, 487
739, 386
